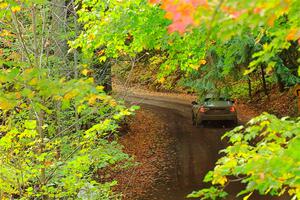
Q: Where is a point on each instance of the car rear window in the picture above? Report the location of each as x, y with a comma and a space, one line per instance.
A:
217, 99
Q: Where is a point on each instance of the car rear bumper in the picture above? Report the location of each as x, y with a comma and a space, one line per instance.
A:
231, 117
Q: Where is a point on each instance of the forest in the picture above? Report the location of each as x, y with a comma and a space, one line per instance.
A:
61, 119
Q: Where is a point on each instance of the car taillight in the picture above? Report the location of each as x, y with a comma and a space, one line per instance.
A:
202, 109
232, 109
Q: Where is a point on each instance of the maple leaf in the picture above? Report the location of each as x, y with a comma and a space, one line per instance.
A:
181, 12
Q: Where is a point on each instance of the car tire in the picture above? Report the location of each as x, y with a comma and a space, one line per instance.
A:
193, 120
200, 124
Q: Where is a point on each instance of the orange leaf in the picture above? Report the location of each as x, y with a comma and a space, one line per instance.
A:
169, 15
18, 95
202, 62
294, 34
271, 20
48, 163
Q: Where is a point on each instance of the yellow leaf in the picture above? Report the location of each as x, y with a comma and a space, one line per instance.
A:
6, 105
3, 5
85, 72
195, 67
5, 33
23, 105
100, 88
16, 9
112, 103
90, 80
70, 95
162, 80
223, 180
92, 99
219, 179
102, 58
291, 191
33, 81
92, 36
125, 112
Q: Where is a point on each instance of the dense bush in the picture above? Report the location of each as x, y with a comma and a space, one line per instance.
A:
263, 155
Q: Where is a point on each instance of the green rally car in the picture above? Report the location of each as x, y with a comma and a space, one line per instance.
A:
214, 109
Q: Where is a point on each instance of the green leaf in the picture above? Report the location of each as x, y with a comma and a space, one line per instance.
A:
30, 124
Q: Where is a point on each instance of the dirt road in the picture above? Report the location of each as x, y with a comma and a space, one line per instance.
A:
196, 148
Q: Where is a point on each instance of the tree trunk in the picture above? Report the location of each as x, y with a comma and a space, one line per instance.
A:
249, 88
263, 76
107, 78
58, 27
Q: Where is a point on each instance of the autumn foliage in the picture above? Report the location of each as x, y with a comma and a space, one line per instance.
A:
186, 12
181, 12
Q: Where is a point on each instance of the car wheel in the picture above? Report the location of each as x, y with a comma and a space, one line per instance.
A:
193, 119
200, 124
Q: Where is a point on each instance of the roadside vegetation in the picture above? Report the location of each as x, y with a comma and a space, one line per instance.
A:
59, 125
